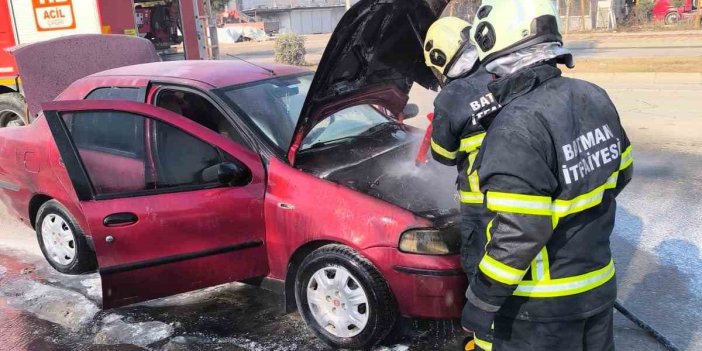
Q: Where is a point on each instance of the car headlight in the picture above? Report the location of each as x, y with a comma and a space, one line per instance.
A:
431, 241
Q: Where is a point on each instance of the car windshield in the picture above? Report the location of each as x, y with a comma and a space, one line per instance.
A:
274, 106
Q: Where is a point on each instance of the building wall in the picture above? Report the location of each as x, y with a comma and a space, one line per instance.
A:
306, 20
252, 4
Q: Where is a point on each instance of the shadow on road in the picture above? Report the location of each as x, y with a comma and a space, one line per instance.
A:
656, 292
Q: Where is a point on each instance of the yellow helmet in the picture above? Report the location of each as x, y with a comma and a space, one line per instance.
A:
502, 27
444, 40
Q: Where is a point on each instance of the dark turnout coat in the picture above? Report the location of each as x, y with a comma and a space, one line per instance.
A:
455, 140
553, 161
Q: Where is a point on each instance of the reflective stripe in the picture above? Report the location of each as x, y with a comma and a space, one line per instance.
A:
566, 286
518, 203
10, 81
471, 143
541, 205
451, 155
473, 180
540, 266
470, 197
562, 208
627, 159
484, 345
500, 271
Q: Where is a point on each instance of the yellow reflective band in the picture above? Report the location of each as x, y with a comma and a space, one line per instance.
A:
627, 159
9, 81
485, 345
518, 203
540, 266
471, 143
566, 286
473, 180
470, 197
562, 208
451, 155
500, 271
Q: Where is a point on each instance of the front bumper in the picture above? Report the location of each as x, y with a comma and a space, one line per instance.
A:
430, 287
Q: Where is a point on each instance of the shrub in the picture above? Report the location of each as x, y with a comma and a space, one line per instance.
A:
290, 49
677, 3
645, 7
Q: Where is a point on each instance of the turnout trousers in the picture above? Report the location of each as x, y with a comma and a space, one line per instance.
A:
590, 334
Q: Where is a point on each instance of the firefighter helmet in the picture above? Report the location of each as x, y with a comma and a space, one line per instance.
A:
445, 38
502, 27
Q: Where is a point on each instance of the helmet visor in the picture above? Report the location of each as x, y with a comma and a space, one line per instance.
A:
464, 63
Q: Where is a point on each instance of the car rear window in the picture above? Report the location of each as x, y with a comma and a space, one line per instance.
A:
115, 93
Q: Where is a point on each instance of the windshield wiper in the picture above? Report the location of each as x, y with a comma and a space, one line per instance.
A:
333, 141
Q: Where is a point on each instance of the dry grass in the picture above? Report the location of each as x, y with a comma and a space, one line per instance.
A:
673, 64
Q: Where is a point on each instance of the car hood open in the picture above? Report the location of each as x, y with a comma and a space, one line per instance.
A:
48, 67
376, 47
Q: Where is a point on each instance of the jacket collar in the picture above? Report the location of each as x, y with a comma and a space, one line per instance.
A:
509, 87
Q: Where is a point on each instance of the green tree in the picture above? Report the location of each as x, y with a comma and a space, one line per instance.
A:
219, 5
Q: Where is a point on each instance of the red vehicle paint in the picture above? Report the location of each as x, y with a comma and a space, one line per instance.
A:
664, 10
152, 240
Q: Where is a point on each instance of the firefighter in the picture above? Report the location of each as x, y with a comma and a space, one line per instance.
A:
456, 132
552, 162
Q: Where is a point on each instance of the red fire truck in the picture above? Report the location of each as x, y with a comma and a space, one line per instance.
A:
29, 21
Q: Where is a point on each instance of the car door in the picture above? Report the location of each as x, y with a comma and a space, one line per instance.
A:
161, 221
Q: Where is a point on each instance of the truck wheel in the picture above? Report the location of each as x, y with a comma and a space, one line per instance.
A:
672, 17
343, 298
62, 241
12, 109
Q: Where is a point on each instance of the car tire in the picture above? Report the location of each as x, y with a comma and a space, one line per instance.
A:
63, 241
672, 17
339, 288
12, 110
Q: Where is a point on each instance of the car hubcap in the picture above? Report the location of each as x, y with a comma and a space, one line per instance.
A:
338, 302
58, 239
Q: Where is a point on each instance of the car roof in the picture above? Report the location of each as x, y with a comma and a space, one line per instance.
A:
215, 73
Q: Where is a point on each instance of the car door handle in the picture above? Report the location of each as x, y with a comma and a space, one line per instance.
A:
120, 219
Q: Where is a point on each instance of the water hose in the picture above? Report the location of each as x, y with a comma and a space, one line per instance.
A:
647, 328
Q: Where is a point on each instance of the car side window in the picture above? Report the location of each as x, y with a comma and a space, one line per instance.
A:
115, 93
198, 109
125, 153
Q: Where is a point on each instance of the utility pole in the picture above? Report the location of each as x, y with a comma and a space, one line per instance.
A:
698, 16
348, 4
582, 15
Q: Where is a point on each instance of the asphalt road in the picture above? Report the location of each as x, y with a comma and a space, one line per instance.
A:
600, 45
656, 244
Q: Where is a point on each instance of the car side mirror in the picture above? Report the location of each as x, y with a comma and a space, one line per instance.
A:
228, 173
410, 111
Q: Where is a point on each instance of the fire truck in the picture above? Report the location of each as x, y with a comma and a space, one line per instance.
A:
164, 22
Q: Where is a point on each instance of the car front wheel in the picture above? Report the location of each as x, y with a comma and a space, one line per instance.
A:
344, 299
672, 18
62, 241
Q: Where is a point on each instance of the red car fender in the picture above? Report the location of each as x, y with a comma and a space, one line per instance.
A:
301, 208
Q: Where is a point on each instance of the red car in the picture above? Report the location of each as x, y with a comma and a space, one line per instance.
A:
167, 177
